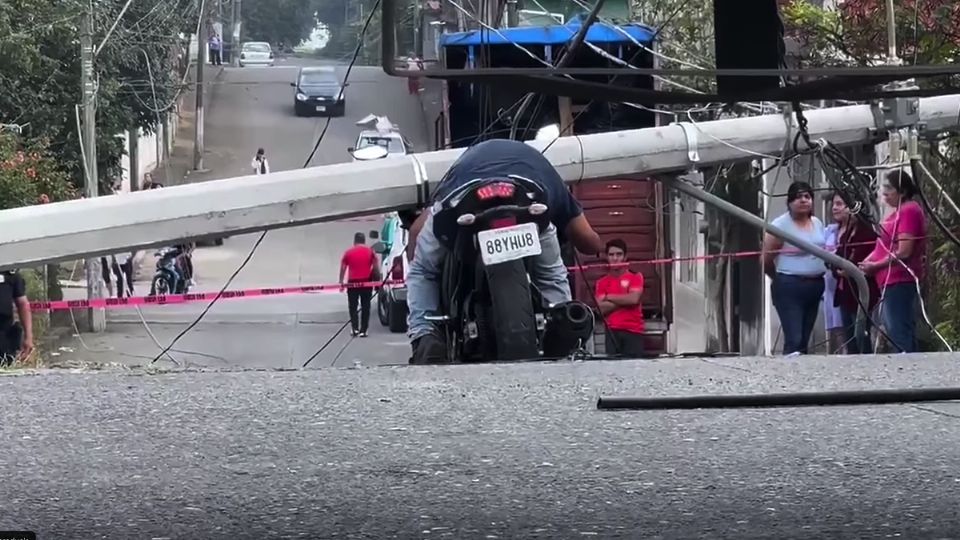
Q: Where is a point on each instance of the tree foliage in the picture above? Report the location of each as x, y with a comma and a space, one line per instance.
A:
345, 32
856, 32
30, 174
40, 72
287, 21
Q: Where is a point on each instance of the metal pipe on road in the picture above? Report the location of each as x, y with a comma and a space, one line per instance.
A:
69, 230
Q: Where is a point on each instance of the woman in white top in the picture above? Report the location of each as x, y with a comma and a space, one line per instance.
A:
831, 314
259, 163
797, 276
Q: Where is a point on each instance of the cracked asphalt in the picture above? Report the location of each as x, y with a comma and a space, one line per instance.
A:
493, 451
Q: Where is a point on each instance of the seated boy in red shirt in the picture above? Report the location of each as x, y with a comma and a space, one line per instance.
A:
618, 297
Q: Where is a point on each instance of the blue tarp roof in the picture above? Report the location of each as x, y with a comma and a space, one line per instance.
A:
549, 35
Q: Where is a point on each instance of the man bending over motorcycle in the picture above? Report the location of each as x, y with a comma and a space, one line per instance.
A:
425, 251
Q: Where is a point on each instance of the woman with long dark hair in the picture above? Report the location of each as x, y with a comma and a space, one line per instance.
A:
856, 241
797, 276
899, 259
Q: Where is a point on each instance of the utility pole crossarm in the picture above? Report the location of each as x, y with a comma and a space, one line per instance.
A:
68, 230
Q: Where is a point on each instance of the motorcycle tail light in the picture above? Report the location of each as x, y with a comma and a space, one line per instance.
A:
503, 222
500, 190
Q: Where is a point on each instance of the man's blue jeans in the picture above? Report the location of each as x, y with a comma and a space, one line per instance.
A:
548, 273
797, 300
899, 313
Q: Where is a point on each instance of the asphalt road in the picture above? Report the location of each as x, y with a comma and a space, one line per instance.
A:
249, 108
496, 451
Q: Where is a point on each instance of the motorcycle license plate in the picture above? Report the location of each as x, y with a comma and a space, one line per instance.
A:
321, 108
509, 243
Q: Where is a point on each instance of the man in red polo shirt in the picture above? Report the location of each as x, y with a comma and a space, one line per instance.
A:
359, 263
618, 297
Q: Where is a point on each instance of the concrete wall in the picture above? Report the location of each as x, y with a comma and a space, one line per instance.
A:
687, 333
150, 151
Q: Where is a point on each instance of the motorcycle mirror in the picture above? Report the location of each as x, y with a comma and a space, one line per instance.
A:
373, 235
378, 247
370, 153
548, 133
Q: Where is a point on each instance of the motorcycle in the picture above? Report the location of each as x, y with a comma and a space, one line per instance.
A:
170, 277
490, 309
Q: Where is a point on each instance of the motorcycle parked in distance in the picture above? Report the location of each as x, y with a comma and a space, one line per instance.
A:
490, 309
171, 276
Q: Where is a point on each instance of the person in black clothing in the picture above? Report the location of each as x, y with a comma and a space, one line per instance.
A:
16, 337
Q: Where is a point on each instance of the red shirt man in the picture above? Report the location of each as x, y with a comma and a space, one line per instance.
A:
358, 264
618, 297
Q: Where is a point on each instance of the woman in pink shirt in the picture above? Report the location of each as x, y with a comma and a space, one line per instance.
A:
898, 260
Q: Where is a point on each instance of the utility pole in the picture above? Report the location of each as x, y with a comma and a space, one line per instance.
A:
513, 15
198, 117
96, 318
235, 21
133, 149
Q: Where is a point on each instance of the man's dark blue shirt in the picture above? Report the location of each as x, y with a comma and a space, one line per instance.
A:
502, 157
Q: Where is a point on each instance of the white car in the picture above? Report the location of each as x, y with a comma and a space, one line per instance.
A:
392, 298
256, 53
393, 142
383, 141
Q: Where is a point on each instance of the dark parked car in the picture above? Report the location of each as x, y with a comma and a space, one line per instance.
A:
318, 91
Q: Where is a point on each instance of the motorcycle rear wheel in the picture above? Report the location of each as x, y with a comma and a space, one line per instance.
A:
511, 315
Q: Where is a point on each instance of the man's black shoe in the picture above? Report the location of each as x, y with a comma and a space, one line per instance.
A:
429, 349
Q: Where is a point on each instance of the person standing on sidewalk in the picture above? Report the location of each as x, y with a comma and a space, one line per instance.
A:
216, 57
16, 336
359, 265
618, 297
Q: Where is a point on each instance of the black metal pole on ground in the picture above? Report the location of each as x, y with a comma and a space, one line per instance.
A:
803, 399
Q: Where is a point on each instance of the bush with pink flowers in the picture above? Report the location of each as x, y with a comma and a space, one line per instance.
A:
30, 174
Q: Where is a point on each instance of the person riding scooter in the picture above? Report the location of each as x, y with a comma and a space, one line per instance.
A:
428, 244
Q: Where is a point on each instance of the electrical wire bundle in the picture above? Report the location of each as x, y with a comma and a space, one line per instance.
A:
855, 187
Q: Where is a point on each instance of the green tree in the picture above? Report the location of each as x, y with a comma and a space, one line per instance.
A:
275, 21
30, 174
40, 72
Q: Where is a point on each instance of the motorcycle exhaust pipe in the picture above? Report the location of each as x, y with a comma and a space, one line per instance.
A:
567, 325
578, 319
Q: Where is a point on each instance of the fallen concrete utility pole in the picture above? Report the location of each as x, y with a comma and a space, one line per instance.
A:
73, 229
